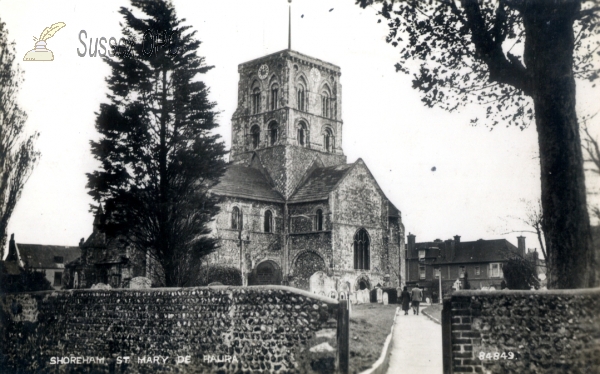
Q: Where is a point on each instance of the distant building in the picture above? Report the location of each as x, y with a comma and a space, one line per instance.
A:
482, 260
49, 259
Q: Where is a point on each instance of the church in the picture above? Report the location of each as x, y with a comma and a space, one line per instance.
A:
293, 211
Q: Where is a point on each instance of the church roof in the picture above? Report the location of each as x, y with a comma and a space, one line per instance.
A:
320, 183
392, 210
246, 182
46, 256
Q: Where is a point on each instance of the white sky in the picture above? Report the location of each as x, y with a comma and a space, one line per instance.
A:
481, 177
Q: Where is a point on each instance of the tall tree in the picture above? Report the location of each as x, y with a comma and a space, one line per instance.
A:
17, 152
516, 58
158, 154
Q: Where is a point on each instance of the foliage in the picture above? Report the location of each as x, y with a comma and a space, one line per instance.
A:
17, 153
519, 60
226, 275
520, 274
26, 281
158, 154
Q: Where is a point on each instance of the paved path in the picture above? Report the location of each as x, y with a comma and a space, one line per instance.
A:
416, 345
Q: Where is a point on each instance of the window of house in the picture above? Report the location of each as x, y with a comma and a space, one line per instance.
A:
319, 220
362, 255
58, 259
236, 218
325, 104
255, 100
437, 272
421, 253
328, 140
496, 270
58, 278
301, 98
274, 96
268, 221
273, 133
255, 133
477, 270
421, 271
462, 272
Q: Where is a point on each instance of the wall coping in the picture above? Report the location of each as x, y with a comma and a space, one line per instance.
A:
297, 291
569, 292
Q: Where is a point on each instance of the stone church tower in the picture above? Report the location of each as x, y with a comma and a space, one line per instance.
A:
293, 211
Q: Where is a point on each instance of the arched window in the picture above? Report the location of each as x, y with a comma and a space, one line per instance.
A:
362, 258
255, 134
325, 104
268, 221
274, 96
302, 135
273, 133
301, 98
236, 218
328, 141
319, 220
255, 100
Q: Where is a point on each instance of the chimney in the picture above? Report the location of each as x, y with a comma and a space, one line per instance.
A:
12, 250
457, 239
81, 242
411, 242
521, 246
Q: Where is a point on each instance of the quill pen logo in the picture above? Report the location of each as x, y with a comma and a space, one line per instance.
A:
40, 52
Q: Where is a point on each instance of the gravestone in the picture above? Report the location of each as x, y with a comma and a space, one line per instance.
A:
333, 294
385, 298
353, 299
379, 295
317, 282
101, 286
365, 296
343, 295
140, 283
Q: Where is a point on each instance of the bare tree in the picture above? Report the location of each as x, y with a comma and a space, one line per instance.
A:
17, 153
592, 149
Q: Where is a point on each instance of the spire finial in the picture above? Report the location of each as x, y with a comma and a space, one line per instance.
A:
290, 25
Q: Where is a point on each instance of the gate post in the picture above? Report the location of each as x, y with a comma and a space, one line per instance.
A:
447, 336
343, 337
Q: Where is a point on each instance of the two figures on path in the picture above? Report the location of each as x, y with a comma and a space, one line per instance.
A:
414, 298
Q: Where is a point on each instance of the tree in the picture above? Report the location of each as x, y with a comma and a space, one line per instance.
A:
520, 274
158, 155
467, 51
17, 153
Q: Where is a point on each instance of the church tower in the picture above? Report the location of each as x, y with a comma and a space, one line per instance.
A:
288, 117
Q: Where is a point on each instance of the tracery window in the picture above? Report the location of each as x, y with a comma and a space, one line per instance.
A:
362, 257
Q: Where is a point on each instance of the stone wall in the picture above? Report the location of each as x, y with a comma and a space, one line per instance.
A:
217, 329
554, 331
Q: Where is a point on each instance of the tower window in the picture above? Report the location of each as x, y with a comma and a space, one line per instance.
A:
328, 141
302, 136
301, 99
361, 250
274, 96
325, 104
319, 220
268, 221
255, 100
255, 133
236, 218
273, 133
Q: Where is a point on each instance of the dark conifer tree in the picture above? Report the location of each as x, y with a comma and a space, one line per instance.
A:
158, 155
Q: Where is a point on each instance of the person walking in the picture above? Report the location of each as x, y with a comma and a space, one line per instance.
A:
405, 299
416, 297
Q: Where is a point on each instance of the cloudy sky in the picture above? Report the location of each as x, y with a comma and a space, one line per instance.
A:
483, 179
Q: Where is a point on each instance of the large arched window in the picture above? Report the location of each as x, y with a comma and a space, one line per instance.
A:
325, 104
273, 133
274, 96
236, 218
302, 134
255, 100
319, 220
301, 94
328, 140
362, 257
255, 134
268, 221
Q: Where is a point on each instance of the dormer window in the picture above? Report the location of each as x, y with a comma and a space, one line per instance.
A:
58, 259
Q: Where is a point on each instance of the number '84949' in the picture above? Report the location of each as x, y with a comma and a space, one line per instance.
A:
496, 356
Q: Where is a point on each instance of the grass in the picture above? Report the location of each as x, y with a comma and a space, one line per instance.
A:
370, 324
435, 311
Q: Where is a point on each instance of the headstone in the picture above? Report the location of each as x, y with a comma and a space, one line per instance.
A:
353, 299
333, 294
140, 283
345, 286
317, 282
343, 295
101, 286
379, 295
427, 300
385, 298
366, 297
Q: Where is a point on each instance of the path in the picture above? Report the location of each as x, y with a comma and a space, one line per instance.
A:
416, 345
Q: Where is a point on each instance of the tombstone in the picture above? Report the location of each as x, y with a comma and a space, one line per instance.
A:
366, 297
385, 298
343, 295
352, 297
427, 300
379, 295
101, 286
140, 283
333, 294
317, 282
345, 286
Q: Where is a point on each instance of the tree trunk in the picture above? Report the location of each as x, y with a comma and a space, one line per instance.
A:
549, 58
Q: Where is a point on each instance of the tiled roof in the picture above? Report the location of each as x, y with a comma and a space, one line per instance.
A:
483, 251
320, 183
43, 256
246, 182
392, 210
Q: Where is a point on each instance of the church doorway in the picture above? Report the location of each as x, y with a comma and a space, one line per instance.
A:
266, 272
305, 266
362, 283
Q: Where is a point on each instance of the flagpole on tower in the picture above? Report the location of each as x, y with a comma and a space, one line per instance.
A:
290, 25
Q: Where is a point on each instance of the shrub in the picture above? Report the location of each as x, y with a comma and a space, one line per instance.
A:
26, 281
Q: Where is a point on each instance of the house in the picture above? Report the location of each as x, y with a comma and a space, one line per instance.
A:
482, 261
49, 259
292, 208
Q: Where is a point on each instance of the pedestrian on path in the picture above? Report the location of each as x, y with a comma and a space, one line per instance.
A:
416, 296
405, 299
